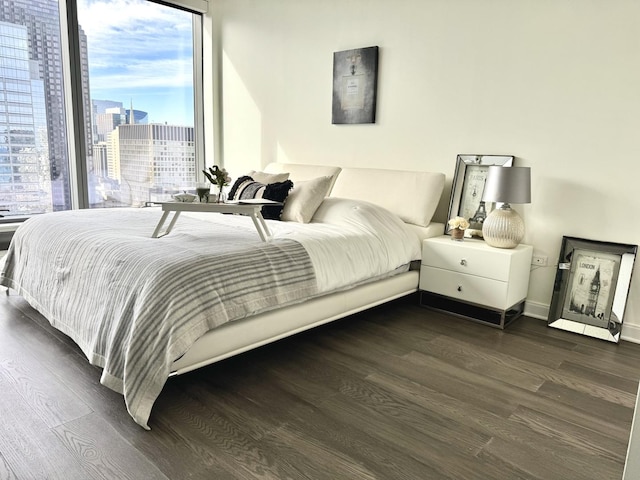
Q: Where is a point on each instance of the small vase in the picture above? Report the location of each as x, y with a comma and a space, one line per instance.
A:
457, 234
220, 194
202, 190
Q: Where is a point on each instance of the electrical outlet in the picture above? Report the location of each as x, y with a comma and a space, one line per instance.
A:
539, 260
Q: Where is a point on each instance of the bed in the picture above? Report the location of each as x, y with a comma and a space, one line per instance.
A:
144, 309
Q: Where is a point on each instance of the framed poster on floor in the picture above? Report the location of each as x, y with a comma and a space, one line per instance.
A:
591, 287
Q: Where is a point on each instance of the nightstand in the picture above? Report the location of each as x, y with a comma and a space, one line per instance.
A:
473, 280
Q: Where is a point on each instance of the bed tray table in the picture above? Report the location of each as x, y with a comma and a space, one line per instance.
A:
249, 208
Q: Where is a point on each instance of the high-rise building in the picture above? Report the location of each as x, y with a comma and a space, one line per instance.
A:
106, 122
101, 106
113, 155
138, 116
86, 96
25, 185
41, 20
155, 160
101, 166
98, 108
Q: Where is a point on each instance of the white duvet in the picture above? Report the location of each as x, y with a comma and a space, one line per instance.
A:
134, 304
349, 241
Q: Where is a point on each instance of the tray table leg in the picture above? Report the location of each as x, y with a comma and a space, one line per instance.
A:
165, 214
261, 226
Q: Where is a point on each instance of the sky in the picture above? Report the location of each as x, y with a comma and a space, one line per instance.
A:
140, 53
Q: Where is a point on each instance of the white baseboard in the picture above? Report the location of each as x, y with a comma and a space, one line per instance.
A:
536, 310
630, 332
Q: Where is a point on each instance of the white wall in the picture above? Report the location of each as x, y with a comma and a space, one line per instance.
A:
555, 83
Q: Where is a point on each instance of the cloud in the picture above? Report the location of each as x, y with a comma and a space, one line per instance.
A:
134, 43
149, 73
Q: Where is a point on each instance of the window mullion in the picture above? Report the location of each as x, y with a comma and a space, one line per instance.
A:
75, 114
198, 90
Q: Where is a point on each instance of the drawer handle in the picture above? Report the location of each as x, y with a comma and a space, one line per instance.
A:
463, 262
459, 288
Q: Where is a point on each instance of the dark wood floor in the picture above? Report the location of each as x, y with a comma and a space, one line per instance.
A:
398, 392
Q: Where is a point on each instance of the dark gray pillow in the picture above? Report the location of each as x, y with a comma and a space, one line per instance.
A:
245, 188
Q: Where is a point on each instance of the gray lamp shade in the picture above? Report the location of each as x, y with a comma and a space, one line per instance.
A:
508, 185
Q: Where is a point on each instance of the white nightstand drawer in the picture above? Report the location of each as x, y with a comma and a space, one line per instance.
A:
470, 257
463, 287
474, 280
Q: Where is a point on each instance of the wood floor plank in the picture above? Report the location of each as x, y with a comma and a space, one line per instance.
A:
506, 430
173, 448
218, 437
563, 453
26, 318
338, 441
605, 379
231, 433
103, 452
476, 334
574, 436
592, 352
265, 420
537, 464
372, 453
39, 387
396, 392
28, 447
437, 374
289, 418
587, 404
524, 374
371, 396
485, 361
440, 460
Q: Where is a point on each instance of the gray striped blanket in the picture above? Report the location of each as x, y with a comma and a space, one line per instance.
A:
135, 304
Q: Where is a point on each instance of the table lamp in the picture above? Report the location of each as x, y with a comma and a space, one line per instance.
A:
503, 227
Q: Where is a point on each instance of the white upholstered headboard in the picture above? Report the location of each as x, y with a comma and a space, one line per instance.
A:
413, 196
300, 172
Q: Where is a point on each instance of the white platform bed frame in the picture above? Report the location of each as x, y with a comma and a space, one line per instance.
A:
413, 196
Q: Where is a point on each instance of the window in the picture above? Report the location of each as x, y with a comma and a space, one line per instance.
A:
140, 63
135, 76
34, 131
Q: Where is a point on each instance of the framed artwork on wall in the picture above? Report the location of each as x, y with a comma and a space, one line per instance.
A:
591, 287
355, 81
468, 186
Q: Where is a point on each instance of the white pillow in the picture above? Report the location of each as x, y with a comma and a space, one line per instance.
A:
376, 221
266, 178
413, 196
305, 198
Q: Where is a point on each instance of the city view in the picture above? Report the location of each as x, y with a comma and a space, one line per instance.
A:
136, 59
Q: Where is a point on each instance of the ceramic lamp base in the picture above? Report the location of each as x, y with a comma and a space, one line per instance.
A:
503, 228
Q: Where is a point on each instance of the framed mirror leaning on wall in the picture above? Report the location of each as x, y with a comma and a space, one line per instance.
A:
591, 287
468, 186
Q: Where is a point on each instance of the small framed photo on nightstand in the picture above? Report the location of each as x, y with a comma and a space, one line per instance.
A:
591, 287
